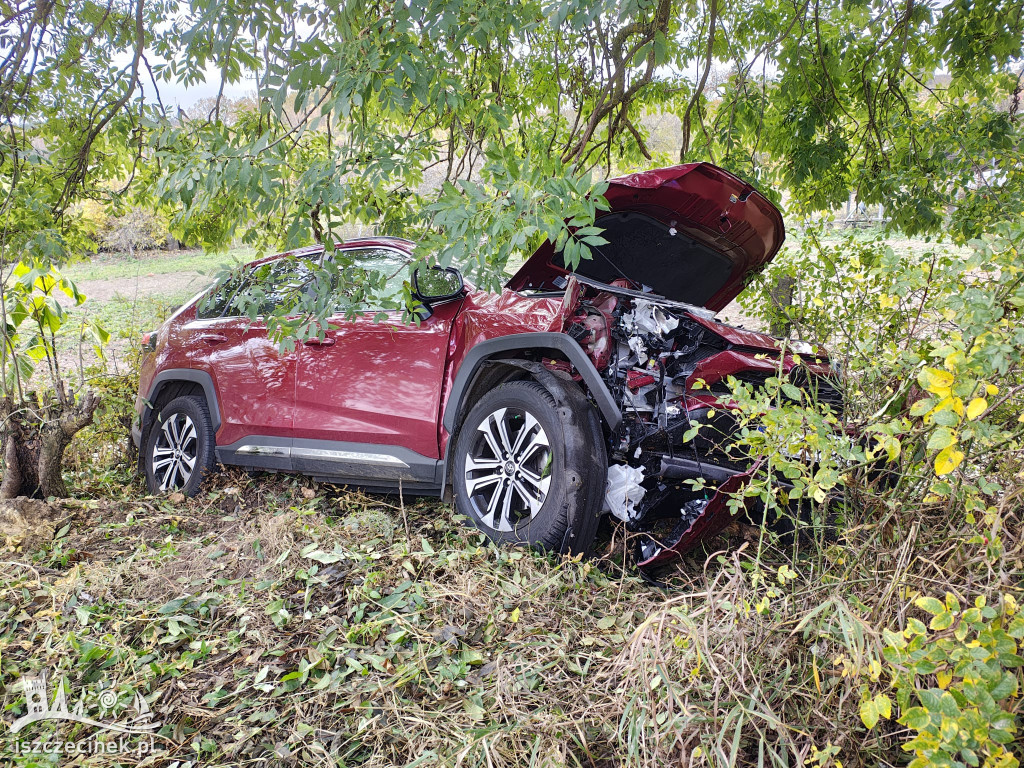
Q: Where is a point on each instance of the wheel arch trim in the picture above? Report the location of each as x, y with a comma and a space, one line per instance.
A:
485, 350
202, 378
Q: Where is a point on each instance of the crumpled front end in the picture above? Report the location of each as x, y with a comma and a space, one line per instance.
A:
666, 364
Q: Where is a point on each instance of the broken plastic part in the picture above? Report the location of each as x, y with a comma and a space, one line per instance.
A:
636, 344
688, 515
651, 318
624, 492
637, 379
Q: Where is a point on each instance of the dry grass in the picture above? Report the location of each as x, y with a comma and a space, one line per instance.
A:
280, 621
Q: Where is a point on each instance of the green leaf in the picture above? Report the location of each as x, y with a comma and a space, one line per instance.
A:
791, 391
921, 407
916, 718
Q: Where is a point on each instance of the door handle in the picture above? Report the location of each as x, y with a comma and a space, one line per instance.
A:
326, 341
212, 338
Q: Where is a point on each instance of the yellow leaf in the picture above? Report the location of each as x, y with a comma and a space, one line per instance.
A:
944, 678
949, 458
883, 705
976, 407
937, 381
952, 362
514, 616
991, 389
869, 713
934, 377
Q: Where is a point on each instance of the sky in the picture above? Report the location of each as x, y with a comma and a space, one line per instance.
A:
174, 95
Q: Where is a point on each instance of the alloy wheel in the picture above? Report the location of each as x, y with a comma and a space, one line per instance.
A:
175, 451
508, 469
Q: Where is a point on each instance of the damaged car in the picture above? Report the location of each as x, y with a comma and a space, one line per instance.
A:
571, 394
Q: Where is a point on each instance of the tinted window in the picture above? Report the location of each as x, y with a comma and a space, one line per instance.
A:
268, 285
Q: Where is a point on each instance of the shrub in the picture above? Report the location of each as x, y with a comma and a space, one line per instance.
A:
138, 229
956, 682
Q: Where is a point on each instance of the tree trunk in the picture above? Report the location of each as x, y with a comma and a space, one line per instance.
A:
34, 439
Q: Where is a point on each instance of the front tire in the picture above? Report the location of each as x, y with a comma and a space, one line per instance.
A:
180, 447
531, 467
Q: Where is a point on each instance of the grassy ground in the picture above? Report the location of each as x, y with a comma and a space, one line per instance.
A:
117, 266
276, 620
127, 296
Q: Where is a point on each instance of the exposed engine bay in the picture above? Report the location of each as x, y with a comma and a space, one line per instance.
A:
652, 352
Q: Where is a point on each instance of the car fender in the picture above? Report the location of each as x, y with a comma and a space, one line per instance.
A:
202, 378
490, 351
492, 348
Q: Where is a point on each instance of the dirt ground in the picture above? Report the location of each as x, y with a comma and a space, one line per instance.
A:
144, 285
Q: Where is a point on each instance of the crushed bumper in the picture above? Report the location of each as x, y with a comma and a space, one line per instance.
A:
713, 519
715, 515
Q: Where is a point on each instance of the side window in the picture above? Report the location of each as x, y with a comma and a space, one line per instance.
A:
269, 285
220, 301
279, 283
386, 264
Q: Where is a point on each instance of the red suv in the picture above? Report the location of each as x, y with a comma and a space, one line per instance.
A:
541, 407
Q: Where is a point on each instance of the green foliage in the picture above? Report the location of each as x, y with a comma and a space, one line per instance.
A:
135, 229
972, 655
794, 437
520, 204
929, 343
34, 316
70, 115
475, 127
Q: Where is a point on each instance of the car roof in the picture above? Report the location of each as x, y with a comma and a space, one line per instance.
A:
398, 243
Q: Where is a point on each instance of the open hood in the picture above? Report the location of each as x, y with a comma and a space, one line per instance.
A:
691, 233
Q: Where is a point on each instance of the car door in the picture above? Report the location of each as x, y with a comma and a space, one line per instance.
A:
368, 396
255, 381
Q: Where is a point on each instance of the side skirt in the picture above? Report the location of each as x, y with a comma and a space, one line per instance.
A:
376, 467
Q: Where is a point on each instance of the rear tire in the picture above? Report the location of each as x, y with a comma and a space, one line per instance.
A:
530, 466
179, 450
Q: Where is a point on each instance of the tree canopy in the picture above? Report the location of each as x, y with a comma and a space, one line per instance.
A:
463, 122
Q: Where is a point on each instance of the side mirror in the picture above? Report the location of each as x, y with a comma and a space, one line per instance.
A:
437, 284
